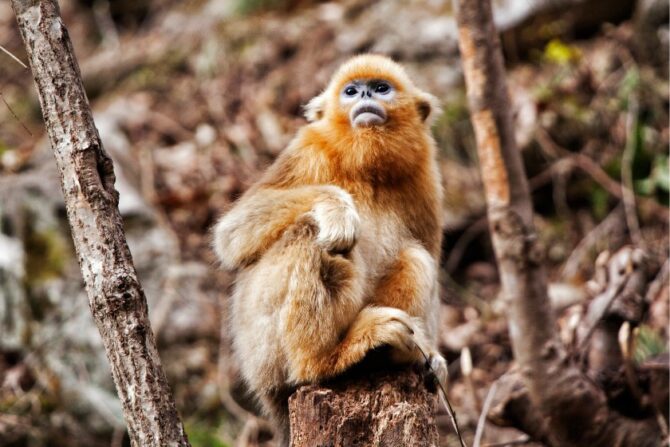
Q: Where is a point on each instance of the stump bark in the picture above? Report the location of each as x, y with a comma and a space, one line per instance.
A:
381, 408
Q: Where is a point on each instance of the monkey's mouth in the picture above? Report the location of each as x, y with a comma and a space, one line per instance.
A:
367, 113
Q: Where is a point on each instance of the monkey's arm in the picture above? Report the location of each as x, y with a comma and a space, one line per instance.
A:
260, 217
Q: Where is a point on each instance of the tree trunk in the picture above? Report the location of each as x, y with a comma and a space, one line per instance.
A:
575, 409
116, 297
380, 409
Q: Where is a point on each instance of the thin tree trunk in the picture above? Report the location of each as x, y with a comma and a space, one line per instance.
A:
379, 409
575, 409
116, 297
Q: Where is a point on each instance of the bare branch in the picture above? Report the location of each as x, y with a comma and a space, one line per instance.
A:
116, 297
481, 423
575, 409
627, 172
8, 53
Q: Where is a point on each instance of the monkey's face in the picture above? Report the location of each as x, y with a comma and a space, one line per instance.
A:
371, 93
367, 101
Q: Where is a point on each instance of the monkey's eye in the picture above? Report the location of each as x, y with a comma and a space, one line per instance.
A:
350, 91
382, 88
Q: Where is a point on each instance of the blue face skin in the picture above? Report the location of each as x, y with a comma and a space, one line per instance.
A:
367, 98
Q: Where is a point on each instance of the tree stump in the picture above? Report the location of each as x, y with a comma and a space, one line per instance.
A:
389, 408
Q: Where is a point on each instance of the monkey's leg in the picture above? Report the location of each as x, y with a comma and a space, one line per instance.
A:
324, 326
373, 327
284, 309
318, 328
411, 285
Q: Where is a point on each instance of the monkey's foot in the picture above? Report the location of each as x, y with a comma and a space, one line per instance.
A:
396, 328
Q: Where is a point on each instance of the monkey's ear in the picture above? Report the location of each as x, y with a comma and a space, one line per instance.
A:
427, 106
314, 108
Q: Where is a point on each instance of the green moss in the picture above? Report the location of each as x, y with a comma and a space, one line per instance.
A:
628, 86
245, 7
46, 254
157, 75
648, 344
599, 202
452, 129
203, 435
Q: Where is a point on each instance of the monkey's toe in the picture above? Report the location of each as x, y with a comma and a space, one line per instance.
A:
438, 366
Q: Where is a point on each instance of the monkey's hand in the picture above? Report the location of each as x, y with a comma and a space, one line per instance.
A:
337, 219
418, 349
260, 218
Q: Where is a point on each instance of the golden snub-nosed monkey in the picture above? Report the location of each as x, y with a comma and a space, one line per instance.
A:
337, 245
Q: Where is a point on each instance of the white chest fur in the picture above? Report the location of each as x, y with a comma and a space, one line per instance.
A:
380, 241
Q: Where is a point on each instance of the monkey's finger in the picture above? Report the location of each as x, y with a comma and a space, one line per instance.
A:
438, 366
408, 327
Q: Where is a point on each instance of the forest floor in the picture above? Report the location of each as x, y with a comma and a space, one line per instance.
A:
194, 99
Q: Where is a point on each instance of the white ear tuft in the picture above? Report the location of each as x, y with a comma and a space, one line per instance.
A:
314, 108
429, 107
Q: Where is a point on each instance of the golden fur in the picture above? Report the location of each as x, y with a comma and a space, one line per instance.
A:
337, 246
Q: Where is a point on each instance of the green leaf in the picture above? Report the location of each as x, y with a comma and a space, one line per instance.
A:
629, 83
659, 178
648, 343
560, 53
661, 173
644, 187
599, 199
201, 435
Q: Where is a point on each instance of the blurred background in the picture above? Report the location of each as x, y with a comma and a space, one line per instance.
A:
193, 99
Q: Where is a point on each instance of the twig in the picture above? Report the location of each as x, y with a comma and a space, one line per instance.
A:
445, 400
103, 18
614, 293
590, 167
462, 243
251, 431
466, 295
627, 173
8, 53
626, 345
14, 115
606, 227
657, 284
559, 193
466, 369
653, 290
521, 441
544, 177
117, 437
481, 423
